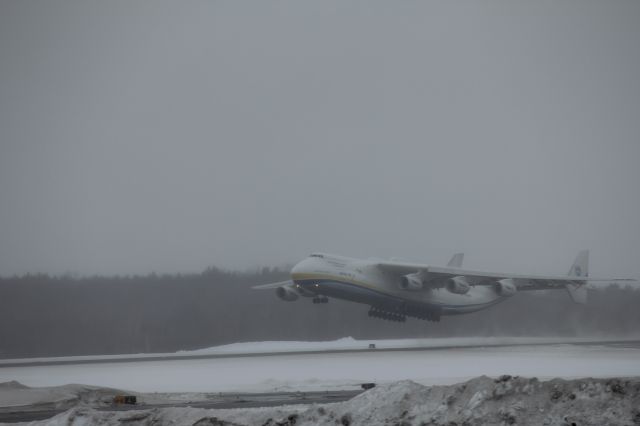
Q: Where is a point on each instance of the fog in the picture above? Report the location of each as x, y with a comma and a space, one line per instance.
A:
166, 137
45, 316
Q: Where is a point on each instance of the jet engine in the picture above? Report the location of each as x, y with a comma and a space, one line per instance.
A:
505, 287
287, 294
458, 285
411, 282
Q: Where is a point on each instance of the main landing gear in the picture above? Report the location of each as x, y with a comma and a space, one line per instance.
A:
401, 313
387, 315
320, 299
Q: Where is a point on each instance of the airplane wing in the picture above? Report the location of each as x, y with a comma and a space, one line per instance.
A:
522, 282
272, 285
436, 276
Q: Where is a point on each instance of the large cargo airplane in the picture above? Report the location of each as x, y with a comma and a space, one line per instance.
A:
397, 290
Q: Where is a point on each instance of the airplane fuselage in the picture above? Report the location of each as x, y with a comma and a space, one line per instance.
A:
361, 281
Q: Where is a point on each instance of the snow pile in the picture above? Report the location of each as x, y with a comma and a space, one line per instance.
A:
14, 394
505, 400
349, 343
287, 415
502, 401
483, 400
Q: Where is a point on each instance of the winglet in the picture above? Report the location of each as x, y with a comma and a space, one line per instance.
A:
456, 260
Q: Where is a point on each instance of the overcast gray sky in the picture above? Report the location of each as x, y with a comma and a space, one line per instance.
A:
169, 136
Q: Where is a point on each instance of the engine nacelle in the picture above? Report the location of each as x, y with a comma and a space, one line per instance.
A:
287, 294
411, 282
458, 285
505, 287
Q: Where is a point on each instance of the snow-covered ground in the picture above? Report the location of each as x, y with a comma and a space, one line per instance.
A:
482, 401
435, 386
349, 343
290, 372
346, 343
16, 395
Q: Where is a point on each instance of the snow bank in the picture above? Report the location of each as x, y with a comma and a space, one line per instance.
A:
502, 401
349, 343
345, 343
15, 395
483, 400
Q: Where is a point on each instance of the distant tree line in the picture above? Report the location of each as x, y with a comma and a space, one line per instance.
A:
41, 315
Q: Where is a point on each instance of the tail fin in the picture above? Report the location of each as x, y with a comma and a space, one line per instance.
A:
456, 260
580, 268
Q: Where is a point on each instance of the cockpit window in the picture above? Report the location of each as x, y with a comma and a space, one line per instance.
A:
316, 255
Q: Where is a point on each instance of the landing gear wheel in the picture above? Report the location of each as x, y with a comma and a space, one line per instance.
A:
387, 315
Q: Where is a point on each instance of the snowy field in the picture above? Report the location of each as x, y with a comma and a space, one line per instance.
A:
441, 364
347, 343
436, 385
504, 400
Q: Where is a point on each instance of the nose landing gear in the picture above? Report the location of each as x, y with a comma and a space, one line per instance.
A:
320, 299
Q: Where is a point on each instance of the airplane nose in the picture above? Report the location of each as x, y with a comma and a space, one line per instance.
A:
305, 266
298, 267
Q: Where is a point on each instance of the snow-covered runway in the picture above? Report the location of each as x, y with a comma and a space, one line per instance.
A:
320, 371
